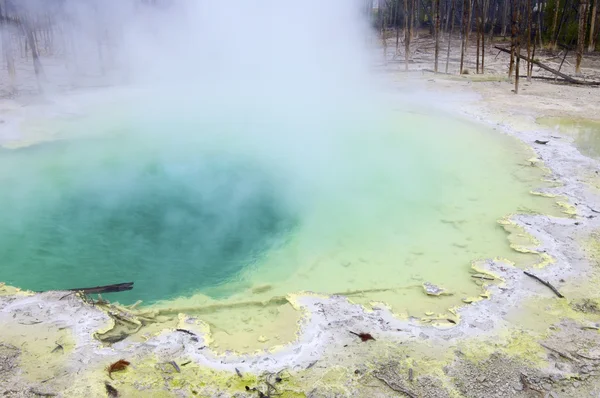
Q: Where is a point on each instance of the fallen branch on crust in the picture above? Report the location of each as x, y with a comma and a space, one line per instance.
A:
393, 385
549, 69
559, 352
537, 278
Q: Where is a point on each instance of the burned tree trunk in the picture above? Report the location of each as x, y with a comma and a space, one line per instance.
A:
407, 34
529, 17
482, 28
583, 6
477, 16
505, 17
412, 18
463, 45
593, 27
451, 32
539, 23
469, 19
397, 25
517, 51
513, 36
493, 19
554, 33
437, 33
37, 65
7, 47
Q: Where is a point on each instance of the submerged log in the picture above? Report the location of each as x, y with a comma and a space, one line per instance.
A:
118, 287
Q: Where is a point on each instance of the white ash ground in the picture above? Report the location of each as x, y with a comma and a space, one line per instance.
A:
325, 342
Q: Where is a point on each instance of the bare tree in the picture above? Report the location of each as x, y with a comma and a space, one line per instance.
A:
583, 7
505, 17
477, 27
407, 33
593, 27
554, 33
529, 18
7, 46
451, 32
436, 7
517, 50
464, 35
513, 35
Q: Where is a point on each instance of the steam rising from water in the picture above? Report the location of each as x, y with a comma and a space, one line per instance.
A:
245, 117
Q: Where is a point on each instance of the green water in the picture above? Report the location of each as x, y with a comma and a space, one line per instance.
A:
586, 132
218, 208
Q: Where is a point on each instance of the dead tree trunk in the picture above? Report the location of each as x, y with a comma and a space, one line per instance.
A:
37, 65
381, 19
530, 61
493, 20
554, 34
397, 25
583, 6
463, 45
412, 18
482, 13
451, 32
448, 16
529, 17
407, 33
593, 28
513, 36
477, 16
505, 17
518, 47
437, 33
469, 19
541, 11
7, 46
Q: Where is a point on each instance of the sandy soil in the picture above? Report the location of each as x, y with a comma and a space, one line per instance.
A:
519, 340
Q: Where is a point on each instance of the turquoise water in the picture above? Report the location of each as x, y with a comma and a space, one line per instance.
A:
171, 222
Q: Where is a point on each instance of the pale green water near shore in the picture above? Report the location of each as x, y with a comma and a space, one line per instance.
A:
585, 131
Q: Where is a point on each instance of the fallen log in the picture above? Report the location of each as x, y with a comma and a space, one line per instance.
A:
549, 69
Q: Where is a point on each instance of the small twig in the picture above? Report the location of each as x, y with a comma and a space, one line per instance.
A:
67, 295
590, 328
410, 375
527, 385
42, 394
30, 323
587, 357
186, 332
593, 210
238, 372
487, 278
174, 364
57, 348
541, 142
394, 386
310, 365
559, 352
544, 283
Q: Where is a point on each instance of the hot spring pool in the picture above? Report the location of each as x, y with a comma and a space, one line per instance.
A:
205, 212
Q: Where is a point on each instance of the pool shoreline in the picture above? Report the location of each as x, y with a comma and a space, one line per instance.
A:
482, 331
